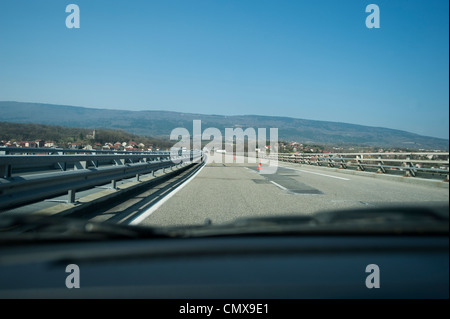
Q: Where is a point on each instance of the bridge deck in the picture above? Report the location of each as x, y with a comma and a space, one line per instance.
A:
224, 192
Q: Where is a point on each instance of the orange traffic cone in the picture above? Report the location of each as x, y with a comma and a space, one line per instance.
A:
259, 167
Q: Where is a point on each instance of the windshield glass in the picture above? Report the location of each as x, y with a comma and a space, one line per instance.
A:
255, 115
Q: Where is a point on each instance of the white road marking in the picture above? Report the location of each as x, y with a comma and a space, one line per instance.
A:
152, 209
300, 170
282, 187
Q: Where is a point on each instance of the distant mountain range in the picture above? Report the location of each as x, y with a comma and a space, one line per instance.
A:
161, 123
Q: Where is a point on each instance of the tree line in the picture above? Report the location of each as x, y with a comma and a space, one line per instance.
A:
63, 135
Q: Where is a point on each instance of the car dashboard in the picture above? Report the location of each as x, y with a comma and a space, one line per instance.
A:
231, 267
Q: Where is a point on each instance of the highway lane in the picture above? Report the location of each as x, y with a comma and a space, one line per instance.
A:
224, 192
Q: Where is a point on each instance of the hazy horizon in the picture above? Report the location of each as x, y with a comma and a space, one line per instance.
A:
259, 115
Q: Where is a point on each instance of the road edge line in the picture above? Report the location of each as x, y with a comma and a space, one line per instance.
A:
138, 219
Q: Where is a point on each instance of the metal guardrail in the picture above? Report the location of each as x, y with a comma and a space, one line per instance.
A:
69, 158
86, 173
62, 151
409, 163
10, 162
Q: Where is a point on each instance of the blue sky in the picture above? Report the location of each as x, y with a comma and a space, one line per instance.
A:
304, 59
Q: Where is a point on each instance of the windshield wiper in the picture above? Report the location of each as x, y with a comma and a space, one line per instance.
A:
42, 227
392, 220
386, 215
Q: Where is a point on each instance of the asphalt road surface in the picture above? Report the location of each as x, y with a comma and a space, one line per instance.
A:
224, 192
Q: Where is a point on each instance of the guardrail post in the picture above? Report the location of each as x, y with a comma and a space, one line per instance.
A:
342, 163
409, 170
80, 165
113, 184
359, 162
318, 160
62, 166
137, 177
6, 171
330, 162
71, 196
119, 162
380, 165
